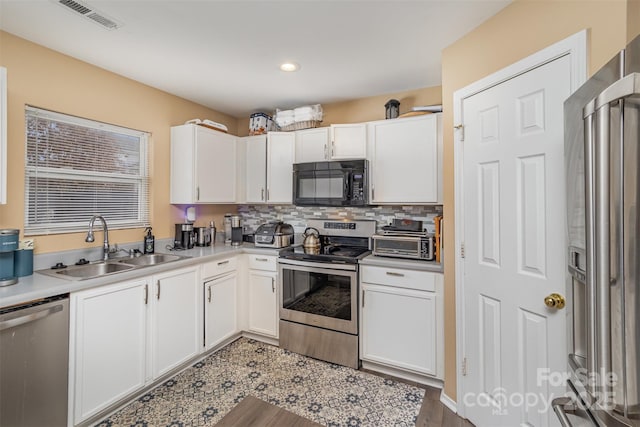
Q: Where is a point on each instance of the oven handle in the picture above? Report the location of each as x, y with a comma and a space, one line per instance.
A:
319, 265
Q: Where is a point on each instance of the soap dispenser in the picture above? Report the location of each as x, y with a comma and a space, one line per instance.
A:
149, 242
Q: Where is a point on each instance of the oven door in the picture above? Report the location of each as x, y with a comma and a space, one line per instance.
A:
319, 294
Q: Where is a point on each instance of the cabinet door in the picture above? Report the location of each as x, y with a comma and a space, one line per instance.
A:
399, 328
404, 160
349, 141
312, 145
174, 319
220, 320
263, 303
183, 187
280, 155
256, 164
108, 357
215, 160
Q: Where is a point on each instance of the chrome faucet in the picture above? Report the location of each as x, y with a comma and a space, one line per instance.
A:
89, 238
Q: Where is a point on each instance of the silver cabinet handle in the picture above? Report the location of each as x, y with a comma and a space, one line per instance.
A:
373, 192
392, 273
262, 259
197, 193
146, 294
363, 298
262, 194
333, 148
273, 285
7, 324
209, 289
158, 285
223, 262
325, 151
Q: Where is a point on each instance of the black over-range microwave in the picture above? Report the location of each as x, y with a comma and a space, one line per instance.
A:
336, 183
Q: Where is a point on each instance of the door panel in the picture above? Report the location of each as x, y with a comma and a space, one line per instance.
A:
514, 205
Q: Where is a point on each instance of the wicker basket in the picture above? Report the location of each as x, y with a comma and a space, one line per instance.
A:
307, 124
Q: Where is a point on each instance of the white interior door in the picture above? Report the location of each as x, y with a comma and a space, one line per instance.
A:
514, 244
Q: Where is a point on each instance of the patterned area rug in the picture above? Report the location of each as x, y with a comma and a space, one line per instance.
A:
328, 394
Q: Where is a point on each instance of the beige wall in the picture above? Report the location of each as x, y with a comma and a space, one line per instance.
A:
522, 28
633, 19
367, 109
44, 78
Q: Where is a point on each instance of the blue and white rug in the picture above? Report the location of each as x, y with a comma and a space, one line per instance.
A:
326, 393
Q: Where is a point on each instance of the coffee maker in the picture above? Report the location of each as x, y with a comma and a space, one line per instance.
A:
8, 246
236, 230
184, 238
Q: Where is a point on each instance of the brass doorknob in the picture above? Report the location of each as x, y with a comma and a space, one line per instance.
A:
555, 301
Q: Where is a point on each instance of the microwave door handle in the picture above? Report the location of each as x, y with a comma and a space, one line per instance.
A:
346, 193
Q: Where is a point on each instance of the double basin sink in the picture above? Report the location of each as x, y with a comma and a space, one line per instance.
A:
103, 268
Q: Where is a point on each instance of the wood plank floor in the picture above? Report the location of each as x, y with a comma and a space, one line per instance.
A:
255, 412
434, 414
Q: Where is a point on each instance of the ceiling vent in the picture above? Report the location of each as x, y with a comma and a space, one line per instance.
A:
90, 13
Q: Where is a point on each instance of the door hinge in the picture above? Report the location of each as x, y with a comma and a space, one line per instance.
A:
460, 127
464, 367
462, 250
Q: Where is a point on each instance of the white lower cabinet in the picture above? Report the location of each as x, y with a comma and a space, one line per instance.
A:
220, 312
108, 342
125, 335
263, 295
174, 319
401, 319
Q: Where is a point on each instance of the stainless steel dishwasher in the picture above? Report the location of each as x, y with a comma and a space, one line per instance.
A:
34, 363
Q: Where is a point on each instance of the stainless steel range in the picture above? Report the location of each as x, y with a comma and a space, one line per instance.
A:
319, 307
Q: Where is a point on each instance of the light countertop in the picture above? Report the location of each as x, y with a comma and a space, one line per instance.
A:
36, 286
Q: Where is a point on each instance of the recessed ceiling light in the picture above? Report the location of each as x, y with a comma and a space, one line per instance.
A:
289, 66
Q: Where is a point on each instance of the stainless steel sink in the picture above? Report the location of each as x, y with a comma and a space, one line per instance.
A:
89, 271
113, 266
150, 259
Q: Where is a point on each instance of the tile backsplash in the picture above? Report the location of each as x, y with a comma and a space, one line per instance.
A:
254, 215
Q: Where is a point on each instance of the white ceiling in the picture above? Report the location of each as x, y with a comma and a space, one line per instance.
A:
226, 54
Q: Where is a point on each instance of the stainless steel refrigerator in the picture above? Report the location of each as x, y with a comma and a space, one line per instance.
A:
602, 156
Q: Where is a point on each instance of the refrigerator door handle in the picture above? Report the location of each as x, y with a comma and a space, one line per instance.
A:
601, 247
558, 405
590, 282
623, 88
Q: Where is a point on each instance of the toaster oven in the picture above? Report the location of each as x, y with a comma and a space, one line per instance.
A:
403, 246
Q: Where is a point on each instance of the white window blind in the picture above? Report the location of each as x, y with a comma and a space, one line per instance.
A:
76, 168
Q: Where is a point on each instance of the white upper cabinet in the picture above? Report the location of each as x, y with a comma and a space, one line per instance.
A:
280, 157
406, 160
312, 145
256, 168
348, 141
268, 163
203, 165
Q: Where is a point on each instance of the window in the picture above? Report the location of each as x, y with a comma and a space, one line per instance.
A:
76, 168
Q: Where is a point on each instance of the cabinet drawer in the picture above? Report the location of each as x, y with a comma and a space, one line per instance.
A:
215, 268
410, 279
263, 262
